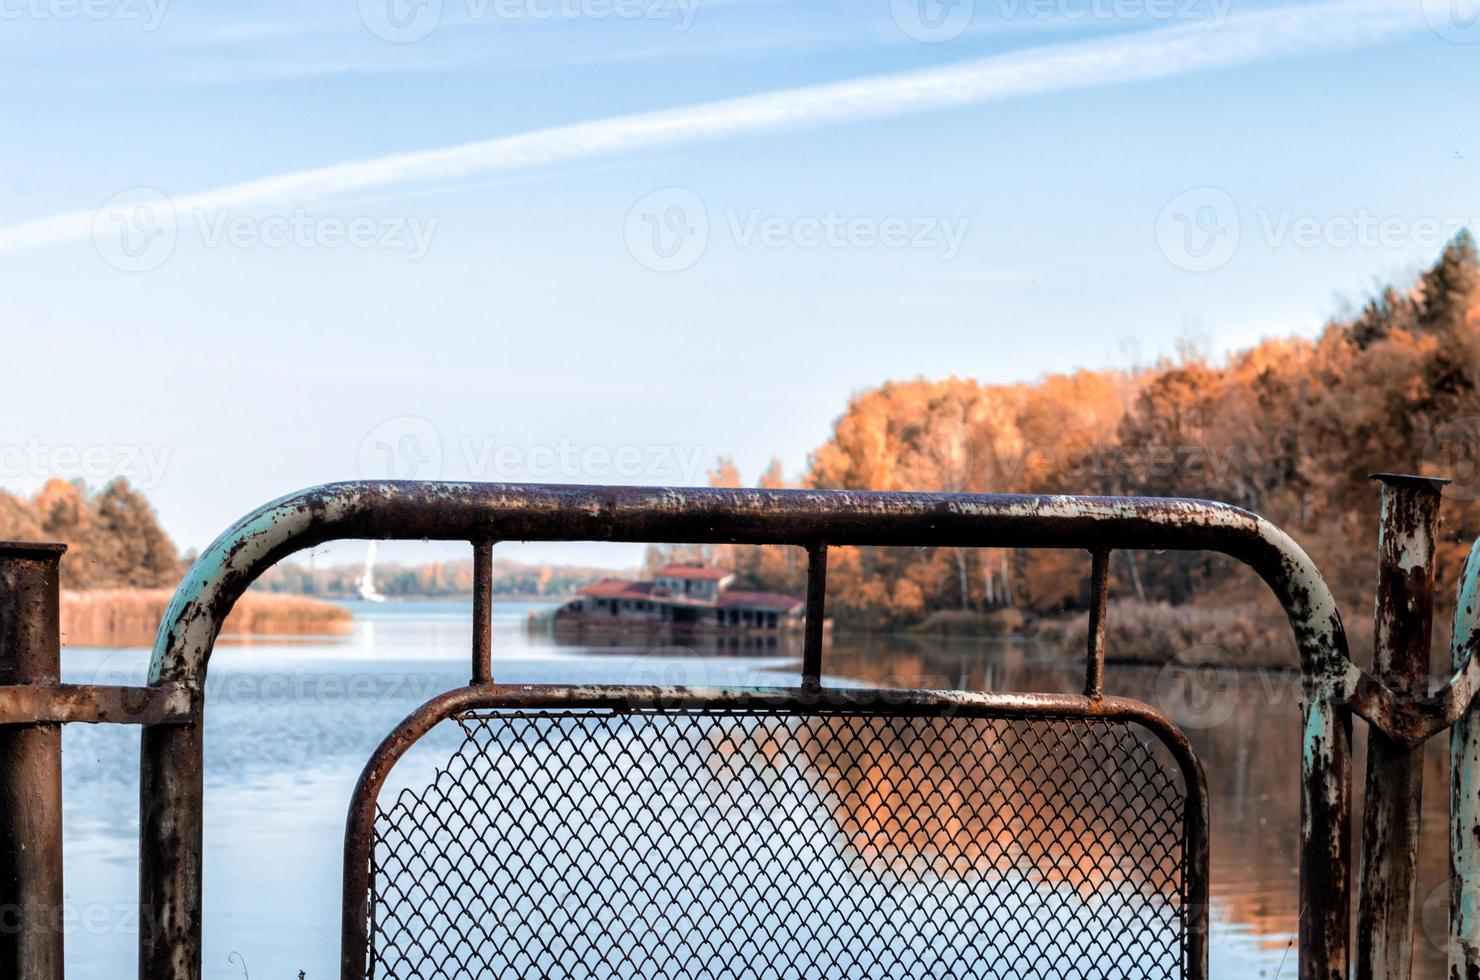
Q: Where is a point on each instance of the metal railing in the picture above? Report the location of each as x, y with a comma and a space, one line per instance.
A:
170, 709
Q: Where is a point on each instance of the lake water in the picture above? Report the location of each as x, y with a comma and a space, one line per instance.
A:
290, 724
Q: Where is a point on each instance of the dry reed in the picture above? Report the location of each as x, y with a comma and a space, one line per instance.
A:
130, 617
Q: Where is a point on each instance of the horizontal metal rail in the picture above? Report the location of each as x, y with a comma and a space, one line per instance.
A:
96, 704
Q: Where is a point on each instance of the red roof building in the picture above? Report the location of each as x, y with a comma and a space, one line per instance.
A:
684, 595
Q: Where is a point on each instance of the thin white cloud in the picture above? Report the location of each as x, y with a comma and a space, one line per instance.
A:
1137, 56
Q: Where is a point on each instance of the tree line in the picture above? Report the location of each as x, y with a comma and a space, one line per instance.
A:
511, 579
1289, 428
113, 537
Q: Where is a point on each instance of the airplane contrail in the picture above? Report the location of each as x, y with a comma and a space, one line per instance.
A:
1137, 56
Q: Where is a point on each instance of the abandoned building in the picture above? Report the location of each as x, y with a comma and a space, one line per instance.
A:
691, 596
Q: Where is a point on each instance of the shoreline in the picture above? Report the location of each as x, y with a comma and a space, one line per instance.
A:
130, 617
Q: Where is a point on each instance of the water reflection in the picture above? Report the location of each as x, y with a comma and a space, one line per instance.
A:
290, 725
629, 845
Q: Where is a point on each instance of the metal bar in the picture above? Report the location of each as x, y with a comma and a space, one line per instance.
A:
1197, 849
1094, 670
1464, 789
359, 838
1325, 832
171, 797
816, 615
30, 767
482, 612
30, 704
1403, 627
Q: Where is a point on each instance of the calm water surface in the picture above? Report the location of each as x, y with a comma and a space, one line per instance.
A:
290, 724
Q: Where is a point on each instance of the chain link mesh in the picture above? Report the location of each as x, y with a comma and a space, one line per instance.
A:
708, 844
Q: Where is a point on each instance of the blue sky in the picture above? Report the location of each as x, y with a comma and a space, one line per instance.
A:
252, 248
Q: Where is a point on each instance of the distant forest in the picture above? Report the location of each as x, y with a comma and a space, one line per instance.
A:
511, 579
113, 536
1289, 428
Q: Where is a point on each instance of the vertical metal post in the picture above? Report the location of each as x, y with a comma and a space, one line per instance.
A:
1094, 671
1325, 827
1464, 791
1403, 629
816, 613
482, 612
30, 768
171, 790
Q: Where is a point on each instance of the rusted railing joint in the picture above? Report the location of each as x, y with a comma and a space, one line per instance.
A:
32, 704
1406, 718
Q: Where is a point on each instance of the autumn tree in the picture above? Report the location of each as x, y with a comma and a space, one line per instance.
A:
113, 538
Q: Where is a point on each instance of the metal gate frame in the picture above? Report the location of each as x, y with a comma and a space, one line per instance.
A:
170, 709
805, 702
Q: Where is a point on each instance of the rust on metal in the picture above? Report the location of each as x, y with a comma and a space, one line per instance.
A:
816, 620
807, 702
171, 796
1464, 787
482, 612
30, 766
1403, 627
1099, 589
31, 704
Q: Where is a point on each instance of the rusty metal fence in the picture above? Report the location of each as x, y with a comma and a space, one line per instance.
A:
870, 832
732, 835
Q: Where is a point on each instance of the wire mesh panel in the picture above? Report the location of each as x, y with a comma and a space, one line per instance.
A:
708, 844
